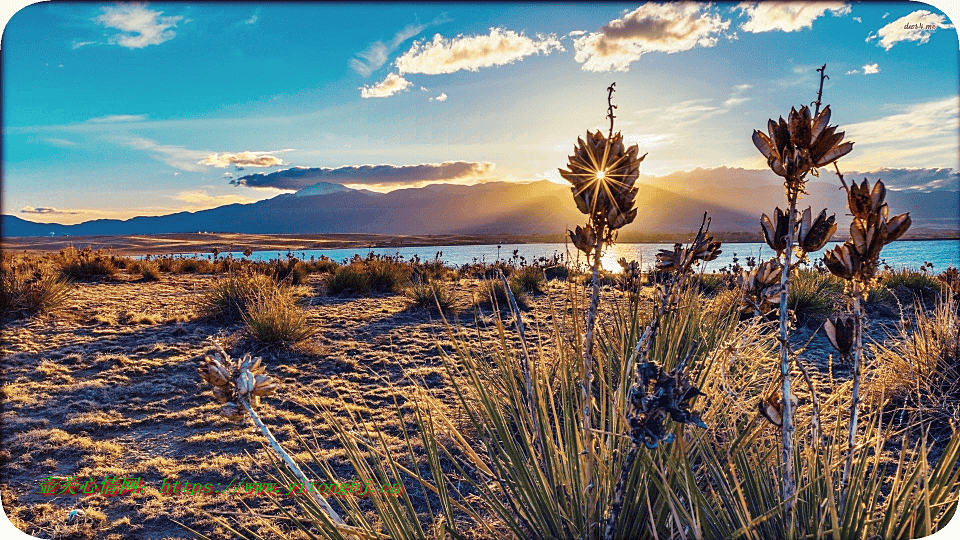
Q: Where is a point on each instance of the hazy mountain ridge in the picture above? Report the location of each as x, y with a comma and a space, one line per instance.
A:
734, 198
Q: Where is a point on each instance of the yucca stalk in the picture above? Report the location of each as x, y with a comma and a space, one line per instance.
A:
857, 262
603, 173
794, 148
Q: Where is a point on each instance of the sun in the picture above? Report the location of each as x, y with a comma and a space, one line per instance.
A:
601, 174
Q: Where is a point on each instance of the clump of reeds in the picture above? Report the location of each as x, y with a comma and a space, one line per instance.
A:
530, 279
230, 298
274, 318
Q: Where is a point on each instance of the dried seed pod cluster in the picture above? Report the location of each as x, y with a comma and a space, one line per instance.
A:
795, 146
811, 234
584, 238
670, 396
761, 287
603, 173
857, 259
236, 380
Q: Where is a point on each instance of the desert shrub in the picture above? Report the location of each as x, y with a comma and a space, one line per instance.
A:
813, 294
350, 279
530, 279
230, 298
149, 270
292, 271
919, 369
497, 295
323, 265
31, 288
85, 263
909, 285
386, 275
430, 294
195, 265
713, 284
274, 318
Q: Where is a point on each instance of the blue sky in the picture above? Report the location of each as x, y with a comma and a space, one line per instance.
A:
116, 110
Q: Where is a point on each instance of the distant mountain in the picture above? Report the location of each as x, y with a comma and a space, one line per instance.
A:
734, 198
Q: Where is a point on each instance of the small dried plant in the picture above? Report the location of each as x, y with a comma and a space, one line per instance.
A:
239, 383
856, 261
603, 172
656, 393
794, 147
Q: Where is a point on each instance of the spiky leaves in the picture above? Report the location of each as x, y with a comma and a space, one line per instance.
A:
604, 173
795, 146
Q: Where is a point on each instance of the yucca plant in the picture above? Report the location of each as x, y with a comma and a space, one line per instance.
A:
794, 147
856, 262
603, 172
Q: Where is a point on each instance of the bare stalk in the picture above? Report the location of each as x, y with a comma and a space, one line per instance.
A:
855, 397
334, 517
787, 427
587, 389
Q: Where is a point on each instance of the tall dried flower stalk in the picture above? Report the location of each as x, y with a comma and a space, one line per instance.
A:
239, 383
794, 147
856, 262
655, 393
603, 172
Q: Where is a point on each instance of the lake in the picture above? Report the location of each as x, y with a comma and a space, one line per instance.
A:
911, 254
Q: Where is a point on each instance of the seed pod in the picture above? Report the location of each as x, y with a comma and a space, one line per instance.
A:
813, 236
222, 394
772, 407
896, 226
775, 234
584, 238
843, 261
264, 386
232, 411
840, 332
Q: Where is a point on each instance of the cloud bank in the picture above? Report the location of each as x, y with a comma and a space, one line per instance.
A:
138, 26
917, 26
471, 53
652, 27
301, 177
376, 54
787, 16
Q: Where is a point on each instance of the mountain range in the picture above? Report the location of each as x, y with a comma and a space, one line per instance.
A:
734, 198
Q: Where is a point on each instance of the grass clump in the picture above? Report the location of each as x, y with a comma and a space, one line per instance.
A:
386, 275
230, 298
813, 294
497, 295
348, 280
274, 318
149, 271
85, 263
432, 295
529, 278
28, 288
910, 285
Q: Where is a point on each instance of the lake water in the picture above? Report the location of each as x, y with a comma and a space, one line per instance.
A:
911, 254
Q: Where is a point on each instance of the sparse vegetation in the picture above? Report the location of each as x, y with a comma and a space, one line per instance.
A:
85, 263
30, 287
274, 318
529, 279
432, 295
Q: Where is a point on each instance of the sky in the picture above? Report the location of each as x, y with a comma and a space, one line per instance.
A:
117, 110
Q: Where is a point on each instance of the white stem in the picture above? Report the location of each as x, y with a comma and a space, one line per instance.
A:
787, 428
855, 398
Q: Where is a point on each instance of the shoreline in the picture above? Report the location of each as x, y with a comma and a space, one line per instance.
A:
163, 244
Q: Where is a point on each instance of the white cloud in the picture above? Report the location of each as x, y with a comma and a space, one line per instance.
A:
870, 69
919, 135
885, 15
391, 85
243, 159
252, 20
738, 97
667, 28
858, 19
787, 16
441, 97
138, 26
917, 26
77, 44
117, 118
376, 54
377, 175
228, 174
471, 53
177, 157
852, 72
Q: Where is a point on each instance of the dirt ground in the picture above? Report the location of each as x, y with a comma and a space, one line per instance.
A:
108, 387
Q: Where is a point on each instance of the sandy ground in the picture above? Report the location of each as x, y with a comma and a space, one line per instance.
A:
108, 387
